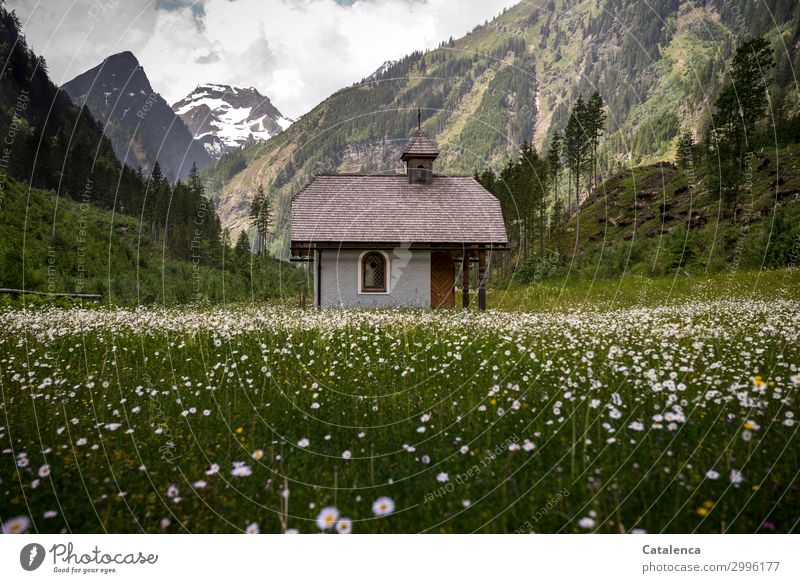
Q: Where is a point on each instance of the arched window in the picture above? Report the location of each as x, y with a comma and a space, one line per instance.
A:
373, 272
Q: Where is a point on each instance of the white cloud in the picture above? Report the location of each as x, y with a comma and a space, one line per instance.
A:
297, 52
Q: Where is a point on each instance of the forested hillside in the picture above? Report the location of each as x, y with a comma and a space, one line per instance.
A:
65, 246
658, 66
74, 219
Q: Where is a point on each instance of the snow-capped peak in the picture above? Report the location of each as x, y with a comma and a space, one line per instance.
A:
380, 71
225, 118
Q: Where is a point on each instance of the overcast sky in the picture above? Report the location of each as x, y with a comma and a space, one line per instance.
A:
296, 52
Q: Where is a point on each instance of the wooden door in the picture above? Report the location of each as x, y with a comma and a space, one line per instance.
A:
443, 280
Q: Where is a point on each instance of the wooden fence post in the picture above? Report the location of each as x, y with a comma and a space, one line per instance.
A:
482, 280
465, 279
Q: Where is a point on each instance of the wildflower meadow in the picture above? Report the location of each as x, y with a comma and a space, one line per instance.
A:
679, 418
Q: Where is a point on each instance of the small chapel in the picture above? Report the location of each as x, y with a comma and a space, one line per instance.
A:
381, 240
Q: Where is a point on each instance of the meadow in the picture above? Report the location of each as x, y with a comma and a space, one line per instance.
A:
603, 417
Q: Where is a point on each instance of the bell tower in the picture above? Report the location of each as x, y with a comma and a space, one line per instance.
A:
419, 156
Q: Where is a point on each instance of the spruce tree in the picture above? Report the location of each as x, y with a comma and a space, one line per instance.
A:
577, 152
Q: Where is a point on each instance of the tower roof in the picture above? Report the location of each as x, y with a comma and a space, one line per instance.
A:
420, 146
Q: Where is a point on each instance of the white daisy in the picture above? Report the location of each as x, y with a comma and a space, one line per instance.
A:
241, 470
16, 525
252, 528
383, 506
327, 517
586, 522
212, 470
344, 526
712, 474
442, 477
303, 442
44, 471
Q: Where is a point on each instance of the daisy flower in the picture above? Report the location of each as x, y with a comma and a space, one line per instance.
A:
442, 477
736, 477
253, 528
344, 526
586, 522
712, 474
241, 470
17, 525
383, 506
44, 471
346, 454
327, 517
212, 470
303, 443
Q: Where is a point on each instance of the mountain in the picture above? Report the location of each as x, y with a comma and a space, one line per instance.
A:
142, 127
50, 143
224, 118
658, 65
380, 71
75, 219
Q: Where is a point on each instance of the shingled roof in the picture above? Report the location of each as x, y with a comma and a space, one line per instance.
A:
388, 208
420, 146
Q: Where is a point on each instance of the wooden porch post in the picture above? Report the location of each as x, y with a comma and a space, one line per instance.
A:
481, 280
465, 278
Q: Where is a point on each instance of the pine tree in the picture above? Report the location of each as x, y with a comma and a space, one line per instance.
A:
261, 217
554, 167
685, 151
595, 124
577, 153
738, 109
242, 252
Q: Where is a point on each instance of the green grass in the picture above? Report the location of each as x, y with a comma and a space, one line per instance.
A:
570, 293
627, 411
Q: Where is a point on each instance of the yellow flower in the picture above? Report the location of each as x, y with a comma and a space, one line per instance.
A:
239, 429
708, 504
493, 401
748, 425
702, 511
